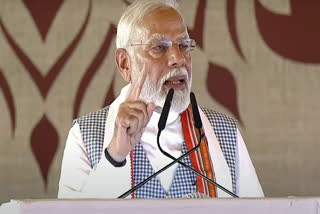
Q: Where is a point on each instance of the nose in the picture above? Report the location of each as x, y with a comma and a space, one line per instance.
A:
176, 57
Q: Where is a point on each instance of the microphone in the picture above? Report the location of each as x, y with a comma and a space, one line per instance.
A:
196, 116
165, 111
198, 124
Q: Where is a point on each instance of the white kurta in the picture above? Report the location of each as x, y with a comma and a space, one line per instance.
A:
79, 180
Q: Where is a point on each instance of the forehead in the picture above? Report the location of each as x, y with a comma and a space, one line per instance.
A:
166, 22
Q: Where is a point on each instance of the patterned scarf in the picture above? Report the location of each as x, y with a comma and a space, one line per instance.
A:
200, 159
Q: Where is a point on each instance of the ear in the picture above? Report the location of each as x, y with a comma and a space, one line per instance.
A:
123, 62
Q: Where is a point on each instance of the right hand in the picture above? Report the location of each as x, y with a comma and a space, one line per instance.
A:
133, 116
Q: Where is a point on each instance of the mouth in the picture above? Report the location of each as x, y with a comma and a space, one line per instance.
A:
176, 82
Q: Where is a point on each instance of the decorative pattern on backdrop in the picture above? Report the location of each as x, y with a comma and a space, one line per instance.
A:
256, 60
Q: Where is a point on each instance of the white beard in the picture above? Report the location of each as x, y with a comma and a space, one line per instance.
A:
156, 93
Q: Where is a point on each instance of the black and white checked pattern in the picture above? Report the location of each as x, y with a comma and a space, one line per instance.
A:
184, 181
92, 128
225, 129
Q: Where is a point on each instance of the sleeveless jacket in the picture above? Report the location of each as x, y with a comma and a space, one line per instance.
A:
92, 128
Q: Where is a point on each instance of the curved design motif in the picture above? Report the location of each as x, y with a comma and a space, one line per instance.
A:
231, 18
9, 99
43, 13
44, 83
44, 145
222, 87
92, 69
295, 36
197, 31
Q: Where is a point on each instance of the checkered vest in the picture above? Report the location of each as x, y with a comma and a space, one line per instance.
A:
92, 128
184, 181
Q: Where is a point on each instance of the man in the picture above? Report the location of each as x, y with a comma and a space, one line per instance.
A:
110, 151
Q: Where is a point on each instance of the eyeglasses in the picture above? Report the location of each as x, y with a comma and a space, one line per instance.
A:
163, 45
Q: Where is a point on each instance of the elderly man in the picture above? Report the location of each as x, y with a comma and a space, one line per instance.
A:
114, 149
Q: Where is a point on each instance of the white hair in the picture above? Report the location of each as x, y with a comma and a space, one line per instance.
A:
130, 24
130, 28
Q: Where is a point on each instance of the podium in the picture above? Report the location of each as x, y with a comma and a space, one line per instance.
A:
164, 206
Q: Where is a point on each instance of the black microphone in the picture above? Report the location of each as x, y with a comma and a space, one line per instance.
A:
165, 111
196, 116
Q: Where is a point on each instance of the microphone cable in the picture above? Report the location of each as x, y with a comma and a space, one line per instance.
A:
192, 169
124, 195
161, 125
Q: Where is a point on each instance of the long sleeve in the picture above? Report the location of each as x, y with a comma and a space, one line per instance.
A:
248, 184
79, 180
75, 167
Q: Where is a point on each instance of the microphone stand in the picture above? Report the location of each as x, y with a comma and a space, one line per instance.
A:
193, 170
124, 195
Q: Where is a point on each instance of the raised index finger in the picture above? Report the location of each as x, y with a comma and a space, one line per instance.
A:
136, 88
